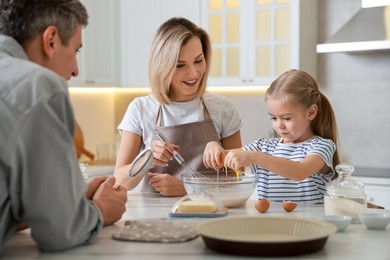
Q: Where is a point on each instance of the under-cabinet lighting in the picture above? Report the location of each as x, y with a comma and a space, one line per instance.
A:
107, 90
238, 89
145, 90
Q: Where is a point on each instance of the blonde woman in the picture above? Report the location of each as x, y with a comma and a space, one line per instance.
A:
179, 107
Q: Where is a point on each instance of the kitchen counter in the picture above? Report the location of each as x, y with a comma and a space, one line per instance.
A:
356, 242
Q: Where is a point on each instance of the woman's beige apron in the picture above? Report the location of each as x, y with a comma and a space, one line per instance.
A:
192, 139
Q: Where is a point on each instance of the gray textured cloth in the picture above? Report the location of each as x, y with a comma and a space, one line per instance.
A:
40, 181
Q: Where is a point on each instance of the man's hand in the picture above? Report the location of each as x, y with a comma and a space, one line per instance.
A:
93, 185
111, 201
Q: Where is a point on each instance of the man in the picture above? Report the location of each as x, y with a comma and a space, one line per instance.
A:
40, 181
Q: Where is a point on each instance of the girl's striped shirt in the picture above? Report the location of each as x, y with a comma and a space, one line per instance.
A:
277, 188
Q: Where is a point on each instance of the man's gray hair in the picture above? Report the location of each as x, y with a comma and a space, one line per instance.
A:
25, 19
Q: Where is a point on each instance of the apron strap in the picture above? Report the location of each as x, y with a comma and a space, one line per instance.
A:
205, 110
158, 117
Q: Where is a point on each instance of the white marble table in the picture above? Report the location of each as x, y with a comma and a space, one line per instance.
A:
355, 243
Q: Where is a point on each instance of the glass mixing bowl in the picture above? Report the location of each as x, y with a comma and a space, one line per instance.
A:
232, 189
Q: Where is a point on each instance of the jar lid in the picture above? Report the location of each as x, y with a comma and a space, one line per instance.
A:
344, 185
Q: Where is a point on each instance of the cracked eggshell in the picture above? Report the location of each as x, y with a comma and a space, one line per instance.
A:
289, 206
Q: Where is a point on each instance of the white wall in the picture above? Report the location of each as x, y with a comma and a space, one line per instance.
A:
95, 114
254, 115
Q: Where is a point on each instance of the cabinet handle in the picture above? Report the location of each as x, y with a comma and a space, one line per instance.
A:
247, 80
90, 82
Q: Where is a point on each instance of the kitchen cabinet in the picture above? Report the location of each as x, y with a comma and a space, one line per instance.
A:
98, 60
118, 38
139, 21
254, 41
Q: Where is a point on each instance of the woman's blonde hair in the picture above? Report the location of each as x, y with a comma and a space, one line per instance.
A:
301, 88
168, 40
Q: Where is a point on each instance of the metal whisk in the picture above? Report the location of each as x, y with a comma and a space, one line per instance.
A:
179, 158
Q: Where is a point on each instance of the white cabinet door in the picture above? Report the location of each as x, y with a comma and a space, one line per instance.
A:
139, 22
98, 59
255, 41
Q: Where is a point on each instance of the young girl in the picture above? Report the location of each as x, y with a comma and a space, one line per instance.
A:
297, 164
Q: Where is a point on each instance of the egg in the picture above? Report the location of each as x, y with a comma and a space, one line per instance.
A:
289, 205
262, 205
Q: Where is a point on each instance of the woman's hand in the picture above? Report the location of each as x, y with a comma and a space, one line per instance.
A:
163, 152
166, 184
213, 155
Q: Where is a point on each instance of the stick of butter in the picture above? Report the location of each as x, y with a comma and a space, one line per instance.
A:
196, 206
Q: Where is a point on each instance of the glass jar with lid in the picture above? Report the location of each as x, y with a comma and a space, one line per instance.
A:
344, 195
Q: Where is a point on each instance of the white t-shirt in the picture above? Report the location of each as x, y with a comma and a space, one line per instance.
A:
140, 117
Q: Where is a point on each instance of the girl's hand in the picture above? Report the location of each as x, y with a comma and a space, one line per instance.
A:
166, 184
213, 155
237, 159
162, 152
